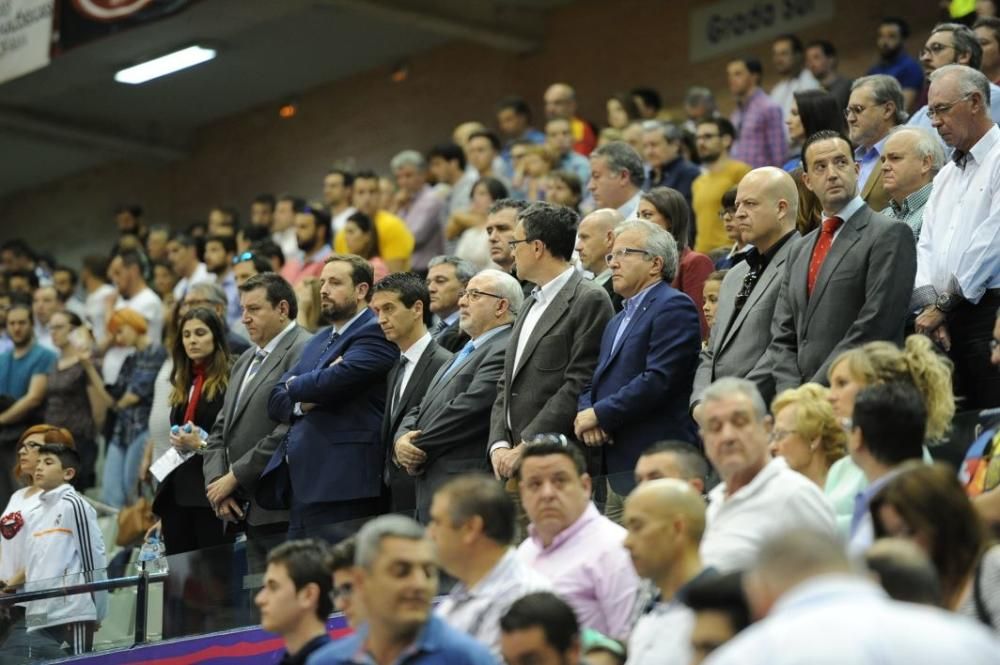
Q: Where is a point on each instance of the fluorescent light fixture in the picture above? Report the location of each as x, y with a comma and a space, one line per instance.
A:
165, 64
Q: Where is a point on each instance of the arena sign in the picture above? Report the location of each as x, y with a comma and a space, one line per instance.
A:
730, 25
109, 10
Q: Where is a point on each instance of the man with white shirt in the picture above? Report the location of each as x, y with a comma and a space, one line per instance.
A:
283, 225
957, 288
818, 610
182, 252
337, 187
665, 520
616, 177
553, 348
758, 496
472, 527
788, 56
100, 295
126, 271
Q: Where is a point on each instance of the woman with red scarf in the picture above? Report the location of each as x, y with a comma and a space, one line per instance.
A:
199, 381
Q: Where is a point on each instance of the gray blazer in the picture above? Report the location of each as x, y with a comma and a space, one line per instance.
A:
243, 437
739, 347
541, 395
862, 294
453, 418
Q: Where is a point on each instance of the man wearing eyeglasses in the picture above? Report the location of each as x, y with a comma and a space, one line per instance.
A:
447, 431
874, 108
953, 44
639, 392
957, 287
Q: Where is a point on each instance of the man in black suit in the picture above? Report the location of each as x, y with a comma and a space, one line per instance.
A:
446, 277
401, 303
594, 239
446, 434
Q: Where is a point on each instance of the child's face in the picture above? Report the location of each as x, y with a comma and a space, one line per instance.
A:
50, 474
710, 293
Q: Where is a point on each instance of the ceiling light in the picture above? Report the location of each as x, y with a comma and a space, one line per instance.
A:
165, 64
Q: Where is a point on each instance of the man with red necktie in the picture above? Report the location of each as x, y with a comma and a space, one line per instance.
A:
849, 281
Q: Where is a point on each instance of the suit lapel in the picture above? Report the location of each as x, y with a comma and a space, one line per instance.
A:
268, 368
632, 327
770, 274
724, 317
236, 380
553, 313
849, 236
418, 371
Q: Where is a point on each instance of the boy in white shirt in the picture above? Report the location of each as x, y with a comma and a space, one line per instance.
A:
65, 548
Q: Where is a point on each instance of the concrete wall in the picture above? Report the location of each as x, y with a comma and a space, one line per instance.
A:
599, 47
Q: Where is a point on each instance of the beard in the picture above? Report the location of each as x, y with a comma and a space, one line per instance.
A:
334, 311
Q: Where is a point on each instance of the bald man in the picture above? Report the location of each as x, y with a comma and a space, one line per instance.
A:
560, 102
595, 237
665, 519
766, 204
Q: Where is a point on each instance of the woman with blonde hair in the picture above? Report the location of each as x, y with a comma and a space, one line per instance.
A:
917, 364
806, 432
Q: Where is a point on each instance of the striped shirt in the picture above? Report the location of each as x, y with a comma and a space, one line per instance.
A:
911, 210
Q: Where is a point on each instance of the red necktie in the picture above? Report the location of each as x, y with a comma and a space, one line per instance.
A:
822, 248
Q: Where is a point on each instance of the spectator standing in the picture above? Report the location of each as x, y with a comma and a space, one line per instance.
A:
212, 296
616, 176
219, 254
446, 162
183, 254
987, 29
560, 102
361, 237
283, 231
822, 61
594, 239
514, 122
447, 277
395, 242
894, 61
312, 232
787, 56
875, 107
759, 123
559, 141
661, 148
418, 206
714, 139
913, 157
94, 278
337, 188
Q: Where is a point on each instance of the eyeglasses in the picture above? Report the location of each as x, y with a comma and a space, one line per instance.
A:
245, 256
942, 109
858, 109
475, 294
994, 345
29, 444
619, 254
342, 591
935, 48
512, 244
779, 434
727, 212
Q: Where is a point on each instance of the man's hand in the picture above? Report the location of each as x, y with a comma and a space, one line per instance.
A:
929, 320
408, 454
585, 420
595, 437
505, 459
221, 487
229, 510
307, 406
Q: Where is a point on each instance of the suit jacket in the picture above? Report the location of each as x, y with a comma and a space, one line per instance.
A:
873, 192
616, 300
739, 346
862, 294
452, 338
335, 451
540, 396
244, 437
640, 389
453, 418
431, 360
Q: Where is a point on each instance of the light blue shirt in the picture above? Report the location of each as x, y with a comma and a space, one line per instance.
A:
630, 306
869, 161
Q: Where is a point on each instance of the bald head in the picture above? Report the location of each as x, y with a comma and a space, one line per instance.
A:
462, 133
767, 202
560, 101
594, 238
668, 499
665, 520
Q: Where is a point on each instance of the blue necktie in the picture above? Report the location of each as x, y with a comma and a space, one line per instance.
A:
469, 347
333, 338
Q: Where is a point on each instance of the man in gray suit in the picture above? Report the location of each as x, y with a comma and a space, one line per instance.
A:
243, 437
849, 281
554, 345
447, 432
766, 205
402, 304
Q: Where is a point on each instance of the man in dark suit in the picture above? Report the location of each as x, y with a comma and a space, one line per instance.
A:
639, 392
333, 399
553, 347
446, 277
401, 303
244, 437
594, 238
847, 282
766, 207
446, 434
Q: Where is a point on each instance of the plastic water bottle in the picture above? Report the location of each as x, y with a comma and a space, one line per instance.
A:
152, 555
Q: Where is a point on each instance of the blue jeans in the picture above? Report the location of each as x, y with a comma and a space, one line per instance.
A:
121, 471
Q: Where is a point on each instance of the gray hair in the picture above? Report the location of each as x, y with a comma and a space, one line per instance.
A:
369, 539
699, 95
927, 145
964, 42
211, 292
408, 158
506, 286
885, 89
659, 243
731, 385
969, 81
670, 132
623, 157
464, 270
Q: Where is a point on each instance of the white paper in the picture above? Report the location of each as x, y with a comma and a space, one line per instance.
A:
169, 461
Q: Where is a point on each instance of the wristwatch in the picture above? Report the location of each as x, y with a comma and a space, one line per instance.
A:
947, 302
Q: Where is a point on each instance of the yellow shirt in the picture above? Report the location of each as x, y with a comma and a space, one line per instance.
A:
706, 200
395, 242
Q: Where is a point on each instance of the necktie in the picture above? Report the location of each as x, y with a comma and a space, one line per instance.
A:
830, 226
439, 328
333, 338
750, 280
398, 388
960, 158
469, 347
258, 360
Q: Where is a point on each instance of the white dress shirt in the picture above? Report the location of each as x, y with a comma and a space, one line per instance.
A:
959, 247
776, 500
268, 350
627, 209
413, 355
543, 298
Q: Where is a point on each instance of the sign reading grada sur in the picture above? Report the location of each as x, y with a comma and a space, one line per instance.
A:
726, 26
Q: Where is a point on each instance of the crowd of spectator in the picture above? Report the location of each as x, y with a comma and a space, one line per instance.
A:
645, 391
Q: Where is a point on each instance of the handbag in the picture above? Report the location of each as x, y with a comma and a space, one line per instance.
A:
135, 520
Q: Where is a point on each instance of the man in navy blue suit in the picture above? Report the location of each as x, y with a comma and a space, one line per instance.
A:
648, 357
334, 398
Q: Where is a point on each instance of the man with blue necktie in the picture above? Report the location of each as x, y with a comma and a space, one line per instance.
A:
334, 399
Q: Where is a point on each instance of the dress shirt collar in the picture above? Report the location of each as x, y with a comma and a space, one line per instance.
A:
912, 202
631, 305
489, 334
497, 576
544, 294
451, 318
417, 349
757, 260
848, 210
589, 515
428, 641
763, 477
627, 209
273, 344
874, 152
979, 152
342, 329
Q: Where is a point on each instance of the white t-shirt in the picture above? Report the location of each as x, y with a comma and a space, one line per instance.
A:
147, 303
97, 311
